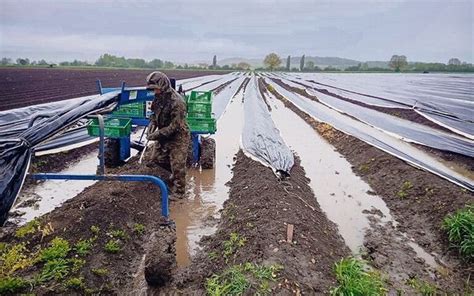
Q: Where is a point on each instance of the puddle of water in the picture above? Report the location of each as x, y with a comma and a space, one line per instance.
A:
341, 194
206, 188
52, 193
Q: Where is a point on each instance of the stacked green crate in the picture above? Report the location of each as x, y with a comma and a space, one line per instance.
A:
131, 110
114, 127
199, 105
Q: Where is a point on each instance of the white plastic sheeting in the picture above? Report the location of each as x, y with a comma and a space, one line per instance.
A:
400, 128
447, 99
222, 99
260, 138
374, 137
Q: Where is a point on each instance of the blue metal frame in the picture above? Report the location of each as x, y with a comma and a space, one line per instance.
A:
101, 176
123, 178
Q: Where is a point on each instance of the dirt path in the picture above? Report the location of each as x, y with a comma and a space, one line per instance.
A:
418, 200
258, 211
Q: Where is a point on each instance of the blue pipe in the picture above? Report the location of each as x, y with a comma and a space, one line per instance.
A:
126, 178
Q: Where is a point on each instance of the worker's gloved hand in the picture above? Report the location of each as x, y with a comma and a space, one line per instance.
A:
155, 136
151, 127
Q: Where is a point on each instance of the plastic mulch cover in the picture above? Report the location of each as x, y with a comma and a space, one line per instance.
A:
406, 130
16, 150
374, 137
260, 138
222, 99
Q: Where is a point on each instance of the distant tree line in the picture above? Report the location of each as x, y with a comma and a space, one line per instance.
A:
398, 63
108, 60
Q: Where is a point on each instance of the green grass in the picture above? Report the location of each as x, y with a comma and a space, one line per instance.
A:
139, 228
95, 229
231, 245
12, 285
422, 287
238, 279
112, 246
354, 280
460, 229
59, 248
29, 228
100, 271
118, 233
83, 247
76, 283
56, 269
13, 258
402, 193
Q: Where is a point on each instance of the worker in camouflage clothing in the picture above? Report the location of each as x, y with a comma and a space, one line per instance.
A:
169, 129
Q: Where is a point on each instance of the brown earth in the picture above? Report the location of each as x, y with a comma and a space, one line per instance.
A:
417, 199
259, 209
20, 87
110, 206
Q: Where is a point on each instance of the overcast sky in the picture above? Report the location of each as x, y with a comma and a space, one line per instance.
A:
188, 31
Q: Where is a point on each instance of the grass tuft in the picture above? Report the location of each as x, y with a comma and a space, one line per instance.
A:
354, 280
83, 247
29, 228
59, 248
100, 271
13, 258
12, 285
139, 228
112, 246
231, 245
460, 229
76, 283
422, 287
238, 279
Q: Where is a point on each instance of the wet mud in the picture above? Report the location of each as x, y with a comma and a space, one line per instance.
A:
425, 201
260, 209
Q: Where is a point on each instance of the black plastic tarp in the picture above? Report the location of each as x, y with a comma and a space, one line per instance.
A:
16, 150
260, 138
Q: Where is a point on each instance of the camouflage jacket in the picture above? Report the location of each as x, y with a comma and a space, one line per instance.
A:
170, 116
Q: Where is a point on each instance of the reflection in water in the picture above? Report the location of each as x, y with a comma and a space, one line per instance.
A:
206, 188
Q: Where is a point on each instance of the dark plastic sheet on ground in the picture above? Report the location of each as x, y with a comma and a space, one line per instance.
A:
260, 138
374, 137
15, 151
401, 128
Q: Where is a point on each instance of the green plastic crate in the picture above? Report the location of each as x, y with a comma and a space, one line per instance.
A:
114, 127
198, 109
207, 125
131, 110
200, 96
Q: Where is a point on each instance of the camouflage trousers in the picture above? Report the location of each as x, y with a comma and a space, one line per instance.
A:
172, 156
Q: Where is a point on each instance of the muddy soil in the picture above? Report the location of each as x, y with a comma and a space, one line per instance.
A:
466, 163
132, 209
417, 199
259, 209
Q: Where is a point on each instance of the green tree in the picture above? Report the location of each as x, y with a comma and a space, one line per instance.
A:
398, 62
288, 63
243, 66
302, 63
42, 62
156, 64
272, 61
168, 65
23, 62
214, 62
309, 65
454, 62
6, 61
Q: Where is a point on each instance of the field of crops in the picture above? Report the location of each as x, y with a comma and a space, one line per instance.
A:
318, 178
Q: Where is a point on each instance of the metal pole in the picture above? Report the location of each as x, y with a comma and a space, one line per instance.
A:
101, 145
124, 178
